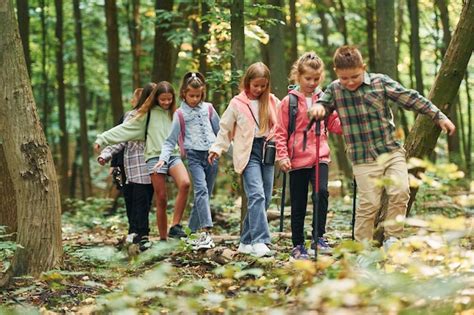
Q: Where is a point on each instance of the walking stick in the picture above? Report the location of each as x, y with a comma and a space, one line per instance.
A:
282, 205
317, 131
354, 197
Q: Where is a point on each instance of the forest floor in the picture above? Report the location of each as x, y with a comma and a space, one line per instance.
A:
430, 271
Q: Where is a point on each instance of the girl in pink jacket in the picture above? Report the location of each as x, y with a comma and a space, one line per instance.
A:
296, 151
249, 121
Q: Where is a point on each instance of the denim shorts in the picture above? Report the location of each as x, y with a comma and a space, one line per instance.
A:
173, 161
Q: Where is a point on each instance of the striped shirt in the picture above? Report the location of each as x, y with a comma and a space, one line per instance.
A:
366, 117
133, 159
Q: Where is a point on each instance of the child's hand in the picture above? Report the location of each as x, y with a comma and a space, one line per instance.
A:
317, 111
97, 148
285, 165
447, 126
158, 165
212, 157
101, 160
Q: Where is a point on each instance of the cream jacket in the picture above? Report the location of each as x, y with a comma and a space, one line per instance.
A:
237, 126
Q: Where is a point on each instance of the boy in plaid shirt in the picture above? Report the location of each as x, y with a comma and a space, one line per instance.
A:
361, 101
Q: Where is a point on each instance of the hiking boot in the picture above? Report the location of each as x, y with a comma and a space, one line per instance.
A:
299, 253
176, 231
144, 243
204, 241
389, 242
245, 248
260, 250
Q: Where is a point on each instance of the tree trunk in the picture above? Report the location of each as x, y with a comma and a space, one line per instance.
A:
293, 31
468, 149
369, 14
321, 10
444, 15
342, 25
415, 43
276, 51
82, 100
163, 48
113, 59
64, 137
237, 41
134, 31
203, 37
44, 74
386, 59
27, 159
22, 8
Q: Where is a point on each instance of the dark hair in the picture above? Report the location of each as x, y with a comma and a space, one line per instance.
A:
148, 98
310, 60
194, 80
347, 57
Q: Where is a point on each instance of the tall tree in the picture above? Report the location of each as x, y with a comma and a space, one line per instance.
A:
134, 31
203, 37
386, 59
415, 47
293, 31
113, 59
237, 41
86, 178
22, 7
276, 50
44, 74
370, 28
61, 97
28, 161
163, 48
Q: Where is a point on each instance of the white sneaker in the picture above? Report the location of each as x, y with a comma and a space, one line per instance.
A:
245, 248
203, 242
389, 242
260, 250
130, 238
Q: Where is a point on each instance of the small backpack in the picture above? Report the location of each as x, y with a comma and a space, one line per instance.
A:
182, 126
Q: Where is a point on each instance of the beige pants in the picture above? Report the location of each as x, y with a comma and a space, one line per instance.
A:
369, 194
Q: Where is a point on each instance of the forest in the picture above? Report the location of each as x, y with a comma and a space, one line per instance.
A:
68, 71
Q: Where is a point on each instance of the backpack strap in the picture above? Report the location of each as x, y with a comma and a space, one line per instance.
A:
292, 111
181, 136
146, 125
210, 110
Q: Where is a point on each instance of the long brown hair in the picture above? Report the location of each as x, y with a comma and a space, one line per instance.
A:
150, 94
255, 71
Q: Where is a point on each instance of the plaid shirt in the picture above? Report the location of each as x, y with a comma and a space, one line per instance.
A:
133, 158
366, 117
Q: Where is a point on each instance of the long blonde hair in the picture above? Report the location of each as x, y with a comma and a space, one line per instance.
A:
255, 71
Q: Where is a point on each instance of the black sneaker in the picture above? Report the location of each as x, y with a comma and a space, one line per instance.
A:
176, 231
144, 243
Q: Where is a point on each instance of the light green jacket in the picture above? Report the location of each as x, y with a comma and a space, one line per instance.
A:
134, 129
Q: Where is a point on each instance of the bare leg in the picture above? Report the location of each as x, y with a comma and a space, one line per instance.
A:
159, 186
181, 178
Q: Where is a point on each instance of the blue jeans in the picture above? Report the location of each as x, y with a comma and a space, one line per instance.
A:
203, 176
258, 185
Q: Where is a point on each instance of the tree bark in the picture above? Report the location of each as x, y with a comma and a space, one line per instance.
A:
134, 31
369, 15
163, 48
468, 148
204, 37
113, 59
22, 8
82, 100
276, 51
444, 15
415, 43
385, 27
44, 74
293, 33
237, 42
61, 97
27, 159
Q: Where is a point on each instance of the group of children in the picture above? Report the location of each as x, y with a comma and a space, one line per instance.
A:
354, 105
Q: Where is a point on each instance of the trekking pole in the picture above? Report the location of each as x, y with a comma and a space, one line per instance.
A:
282, 205
354, 198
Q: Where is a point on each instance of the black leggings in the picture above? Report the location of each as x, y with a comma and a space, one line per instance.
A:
138, 202
299, 181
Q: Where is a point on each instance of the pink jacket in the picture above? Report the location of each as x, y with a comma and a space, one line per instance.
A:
292, 148
238, 125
